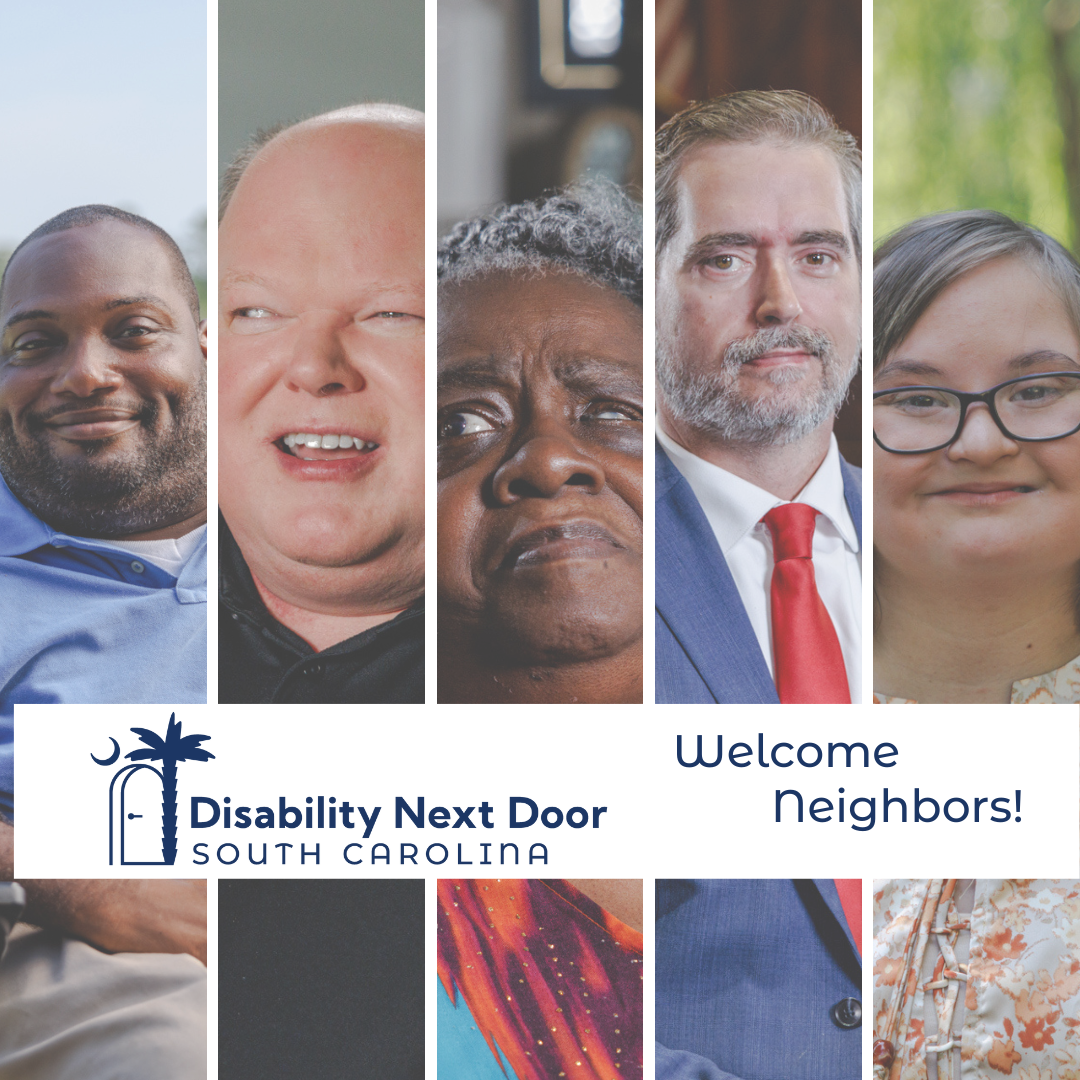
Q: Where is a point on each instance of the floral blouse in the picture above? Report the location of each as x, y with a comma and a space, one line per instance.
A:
1061, 687
1012, 1010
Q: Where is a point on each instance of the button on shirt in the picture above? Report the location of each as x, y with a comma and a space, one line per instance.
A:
734, 508
88, 622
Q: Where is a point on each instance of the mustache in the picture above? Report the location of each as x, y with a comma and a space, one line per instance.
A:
761, 342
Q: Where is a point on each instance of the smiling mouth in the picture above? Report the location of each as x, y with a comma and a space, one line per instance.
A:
551, 543
90, 425
984, 494
310, 446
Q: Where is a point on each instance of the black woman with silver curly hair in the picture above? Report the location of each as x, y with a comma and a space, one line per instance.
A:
540, 448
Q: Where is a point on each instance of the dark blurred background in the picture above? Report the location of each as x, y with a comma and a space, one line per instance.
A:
534, 94
710, 47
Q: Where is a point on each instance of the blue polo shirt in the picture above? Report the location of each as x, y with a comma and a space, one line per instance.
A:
84, 622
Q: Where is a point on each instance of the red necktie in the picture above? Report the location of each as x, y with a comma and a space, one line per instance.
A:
850, 892
807, 660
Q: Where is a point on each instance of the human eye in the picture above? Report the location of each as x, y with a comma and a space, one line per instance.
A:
395, 323
613, 412
253, 320
460, 422
30, 347
819, 259
726, 262
917, 402
1042, 391
136, 333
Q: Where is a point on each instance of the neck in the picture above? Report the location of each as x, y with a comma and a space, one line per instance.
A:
169, 532
466, 678
320, 629
958, 640
782, 471
328, 604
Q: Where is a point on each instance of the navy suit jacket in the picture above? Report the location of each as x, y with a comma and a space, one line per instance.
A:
747, 973
706, 649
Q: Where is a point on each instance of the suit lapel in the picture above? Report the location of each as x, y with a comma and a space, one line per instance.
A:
853, 494
826, 887
697, 598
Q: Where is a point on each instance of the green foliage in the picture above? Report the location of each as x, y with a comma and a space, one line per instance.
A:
965, 113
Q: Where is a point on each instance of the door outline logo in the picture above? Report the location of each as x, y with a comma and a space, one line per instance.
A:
128, 836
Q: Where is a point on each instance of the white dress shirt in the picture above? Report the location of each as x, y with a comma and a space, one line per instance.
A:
734, 508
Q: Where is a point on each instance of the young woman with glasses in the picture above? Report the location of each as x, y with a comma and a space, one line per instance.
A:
976, 463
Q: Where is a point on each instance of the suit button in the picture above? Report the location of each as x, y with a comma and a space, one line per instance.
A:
847, 1013
312, 669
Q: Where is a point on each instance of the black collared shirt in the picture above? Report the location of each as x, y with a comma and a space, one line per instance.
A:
261, 661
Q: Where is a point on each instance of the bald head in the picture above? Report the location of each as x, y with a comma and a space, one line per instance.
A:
389, 116
321, 331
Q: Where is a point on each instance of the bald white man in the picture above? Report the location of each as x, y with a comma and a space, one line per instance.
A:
321, 250
758, 519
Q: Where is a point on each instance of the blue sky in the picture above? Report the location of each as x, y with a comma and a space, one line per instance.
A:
103, 102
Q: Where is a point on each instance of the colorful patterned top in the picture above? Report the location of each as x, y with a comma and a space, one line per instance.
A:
1061, 687
550, 978
1012, 1010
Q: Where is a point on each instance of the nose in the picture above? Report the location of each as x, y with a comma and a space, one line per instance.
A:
543, 466
86, 368
777, 303
981, 440
320, 363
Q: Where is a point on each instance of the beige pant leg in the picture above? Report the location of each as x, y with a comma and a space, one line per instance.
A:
69, 1012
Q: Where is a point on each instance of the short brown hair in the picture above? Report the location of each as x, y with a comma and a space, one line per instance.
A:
748, 116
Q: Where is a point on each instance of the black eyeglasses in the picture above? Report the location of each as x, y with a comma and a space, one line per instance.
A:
1031, 408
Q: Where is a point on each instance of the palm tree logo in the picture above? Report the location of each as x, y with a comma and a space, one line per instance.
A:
169, 751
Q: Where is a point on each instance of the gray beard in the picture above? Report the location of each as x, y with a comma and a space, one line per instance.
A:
161, 484
710, 402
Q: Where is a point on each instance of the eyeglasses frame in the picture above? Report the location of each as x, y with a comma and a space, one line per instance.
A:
987, 397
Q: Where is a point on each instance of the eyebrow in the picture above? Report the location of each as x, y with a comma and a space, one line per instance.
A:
476, 373
1028, 360
593, 373
26, 316
904, 366
708, 244
373, 288
825, 236
1019, 364
129, 301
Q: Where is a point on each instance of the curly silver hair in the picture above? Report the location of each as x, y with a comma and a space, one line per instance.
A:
592, 229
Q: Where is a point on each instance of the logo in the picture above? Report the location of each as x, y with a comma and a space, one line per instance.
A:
142, 799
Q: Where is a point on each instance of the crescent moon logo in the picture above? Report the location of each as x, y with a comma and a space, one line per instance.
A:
112, 758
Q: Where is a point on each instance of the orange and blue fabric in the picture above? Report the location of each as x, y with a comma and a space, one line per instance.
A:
549, 980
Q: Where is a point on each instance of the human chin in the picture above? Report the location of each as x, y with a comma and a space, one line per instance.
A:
563, 611
334, 531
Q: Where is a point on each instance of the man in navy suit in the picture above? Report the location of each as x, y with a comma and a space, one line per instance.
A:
758, 204
758, 979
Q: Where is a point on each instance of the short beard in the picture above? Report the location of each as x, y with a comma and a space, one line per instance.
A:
711, 401
164, 482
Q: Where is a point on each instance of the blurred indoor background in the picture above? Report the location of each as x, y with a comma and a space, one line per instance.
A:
534, 94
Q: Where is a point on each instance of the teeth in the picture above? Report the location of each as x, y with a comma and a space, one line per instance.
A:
326, 442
